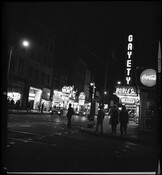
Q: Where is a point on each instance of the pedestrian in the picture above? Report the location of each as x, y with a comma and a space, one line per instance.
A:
28, 106
42, 107
114, 119
12, 103
8, 104
123, 119
18, 105
100, 118
69, 115
38, 106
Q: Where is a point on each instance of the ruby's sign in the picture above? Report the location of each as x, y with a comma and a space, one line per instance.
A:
148, 77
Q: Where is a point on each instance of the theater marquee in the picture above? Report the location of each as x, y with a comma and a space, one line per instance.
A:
125, 90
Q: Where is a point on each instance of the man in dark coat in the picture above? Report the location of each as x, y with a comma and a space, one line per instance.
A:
100, 118
69, 115
114, 118
123, 119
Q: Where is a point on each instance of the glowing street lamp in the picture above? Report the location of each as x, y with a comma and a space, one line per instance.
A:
119, 82
25, 44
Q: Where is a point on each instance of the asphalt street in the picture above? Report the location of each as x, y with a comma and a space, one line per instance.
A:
42, 143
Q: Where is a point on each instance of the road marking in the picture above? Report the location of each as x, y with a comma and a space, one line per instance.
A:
26, 141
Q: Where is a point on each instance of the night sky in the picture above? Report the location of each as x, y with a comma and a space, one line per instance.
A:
97, 30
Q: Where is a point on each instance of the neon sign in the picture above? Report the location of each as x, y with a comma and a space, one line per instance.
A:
129, 60
148, 77
126, 91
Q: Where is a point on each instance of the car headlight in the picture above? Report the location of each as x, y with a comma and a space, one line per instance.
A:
58, 112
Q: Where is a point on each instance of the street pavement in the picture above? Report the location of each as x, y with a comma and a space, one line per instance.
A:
42, 142
133, 132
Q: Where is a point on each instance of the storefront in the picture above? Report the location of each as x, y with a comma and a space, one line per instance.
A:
129, 97
148, 95
34, 97
14, 91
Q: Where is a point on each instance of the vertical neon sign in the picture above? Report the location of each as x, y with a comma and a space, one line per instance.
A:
128, 78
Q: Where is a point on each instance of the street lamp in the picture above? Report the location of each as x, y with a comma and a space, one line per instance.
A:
25, 44
119, 82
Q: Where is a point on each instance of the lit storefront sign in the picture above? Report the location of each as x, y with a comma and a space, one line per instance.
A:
82, 98
67, 89
129, 60
128, 100
14, 95
126, 90
148, 77
46, 94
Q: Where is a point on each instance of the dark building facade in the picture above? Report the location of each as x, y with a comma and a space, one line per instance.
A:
31, 69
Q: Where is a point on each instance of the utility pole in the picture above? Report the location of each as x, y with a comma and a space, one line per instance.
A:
105, 85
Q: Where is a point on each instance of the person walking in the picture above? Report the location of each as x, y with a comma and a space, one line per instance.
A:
69, 115
42, 107
12, 103
28, 107
18, 105
114, 118
100, 118
123, 119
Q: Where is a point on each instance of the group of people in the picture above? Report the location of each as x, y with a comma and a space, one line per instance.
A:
116, 117
12, 104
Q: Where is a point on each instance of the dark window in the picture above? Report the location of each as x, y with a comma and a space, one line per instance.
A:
30, 72
36, 74
42, 77
12, 64
21, 65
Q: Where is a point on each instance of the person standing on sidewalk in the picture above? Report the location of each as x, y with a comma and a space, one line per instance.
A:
114, 118
69, 115
123, 119
100, 118
42, 107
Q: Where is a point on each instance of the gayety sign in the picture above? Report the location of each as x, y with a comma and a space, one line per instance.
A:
148, 77
129, 60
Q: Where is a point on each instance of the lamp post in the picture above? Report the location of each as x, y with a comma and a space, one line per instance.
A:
25, 44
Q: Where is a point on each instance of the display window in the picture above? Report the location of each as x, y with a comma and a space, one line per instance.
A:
14, 95
35, 97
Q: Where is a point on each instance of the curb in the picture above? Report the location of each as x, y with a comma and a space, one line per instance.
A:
19, 112
122, 138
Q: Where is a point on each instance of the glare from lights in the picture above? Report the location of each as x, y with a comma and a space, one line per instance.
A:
119, 82
25, 43
105, 92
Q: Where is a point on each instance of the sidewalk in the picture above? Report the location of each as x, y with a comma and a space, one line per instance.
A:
133, 133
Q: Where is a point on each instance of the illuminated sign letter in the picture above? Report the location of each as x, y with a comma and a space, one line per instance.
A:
130, 38
130, 46
128, 63
128, 71
129, 54
128, 79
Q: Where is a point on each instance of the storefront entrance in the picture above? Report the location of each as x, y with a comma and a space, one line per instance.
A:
34, 98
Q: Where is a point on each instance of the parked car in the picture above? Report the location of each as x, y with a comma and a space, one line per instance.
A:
57, 111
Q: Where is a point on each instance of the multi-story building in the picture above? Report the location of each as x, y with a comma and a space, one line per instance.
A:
31, 69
